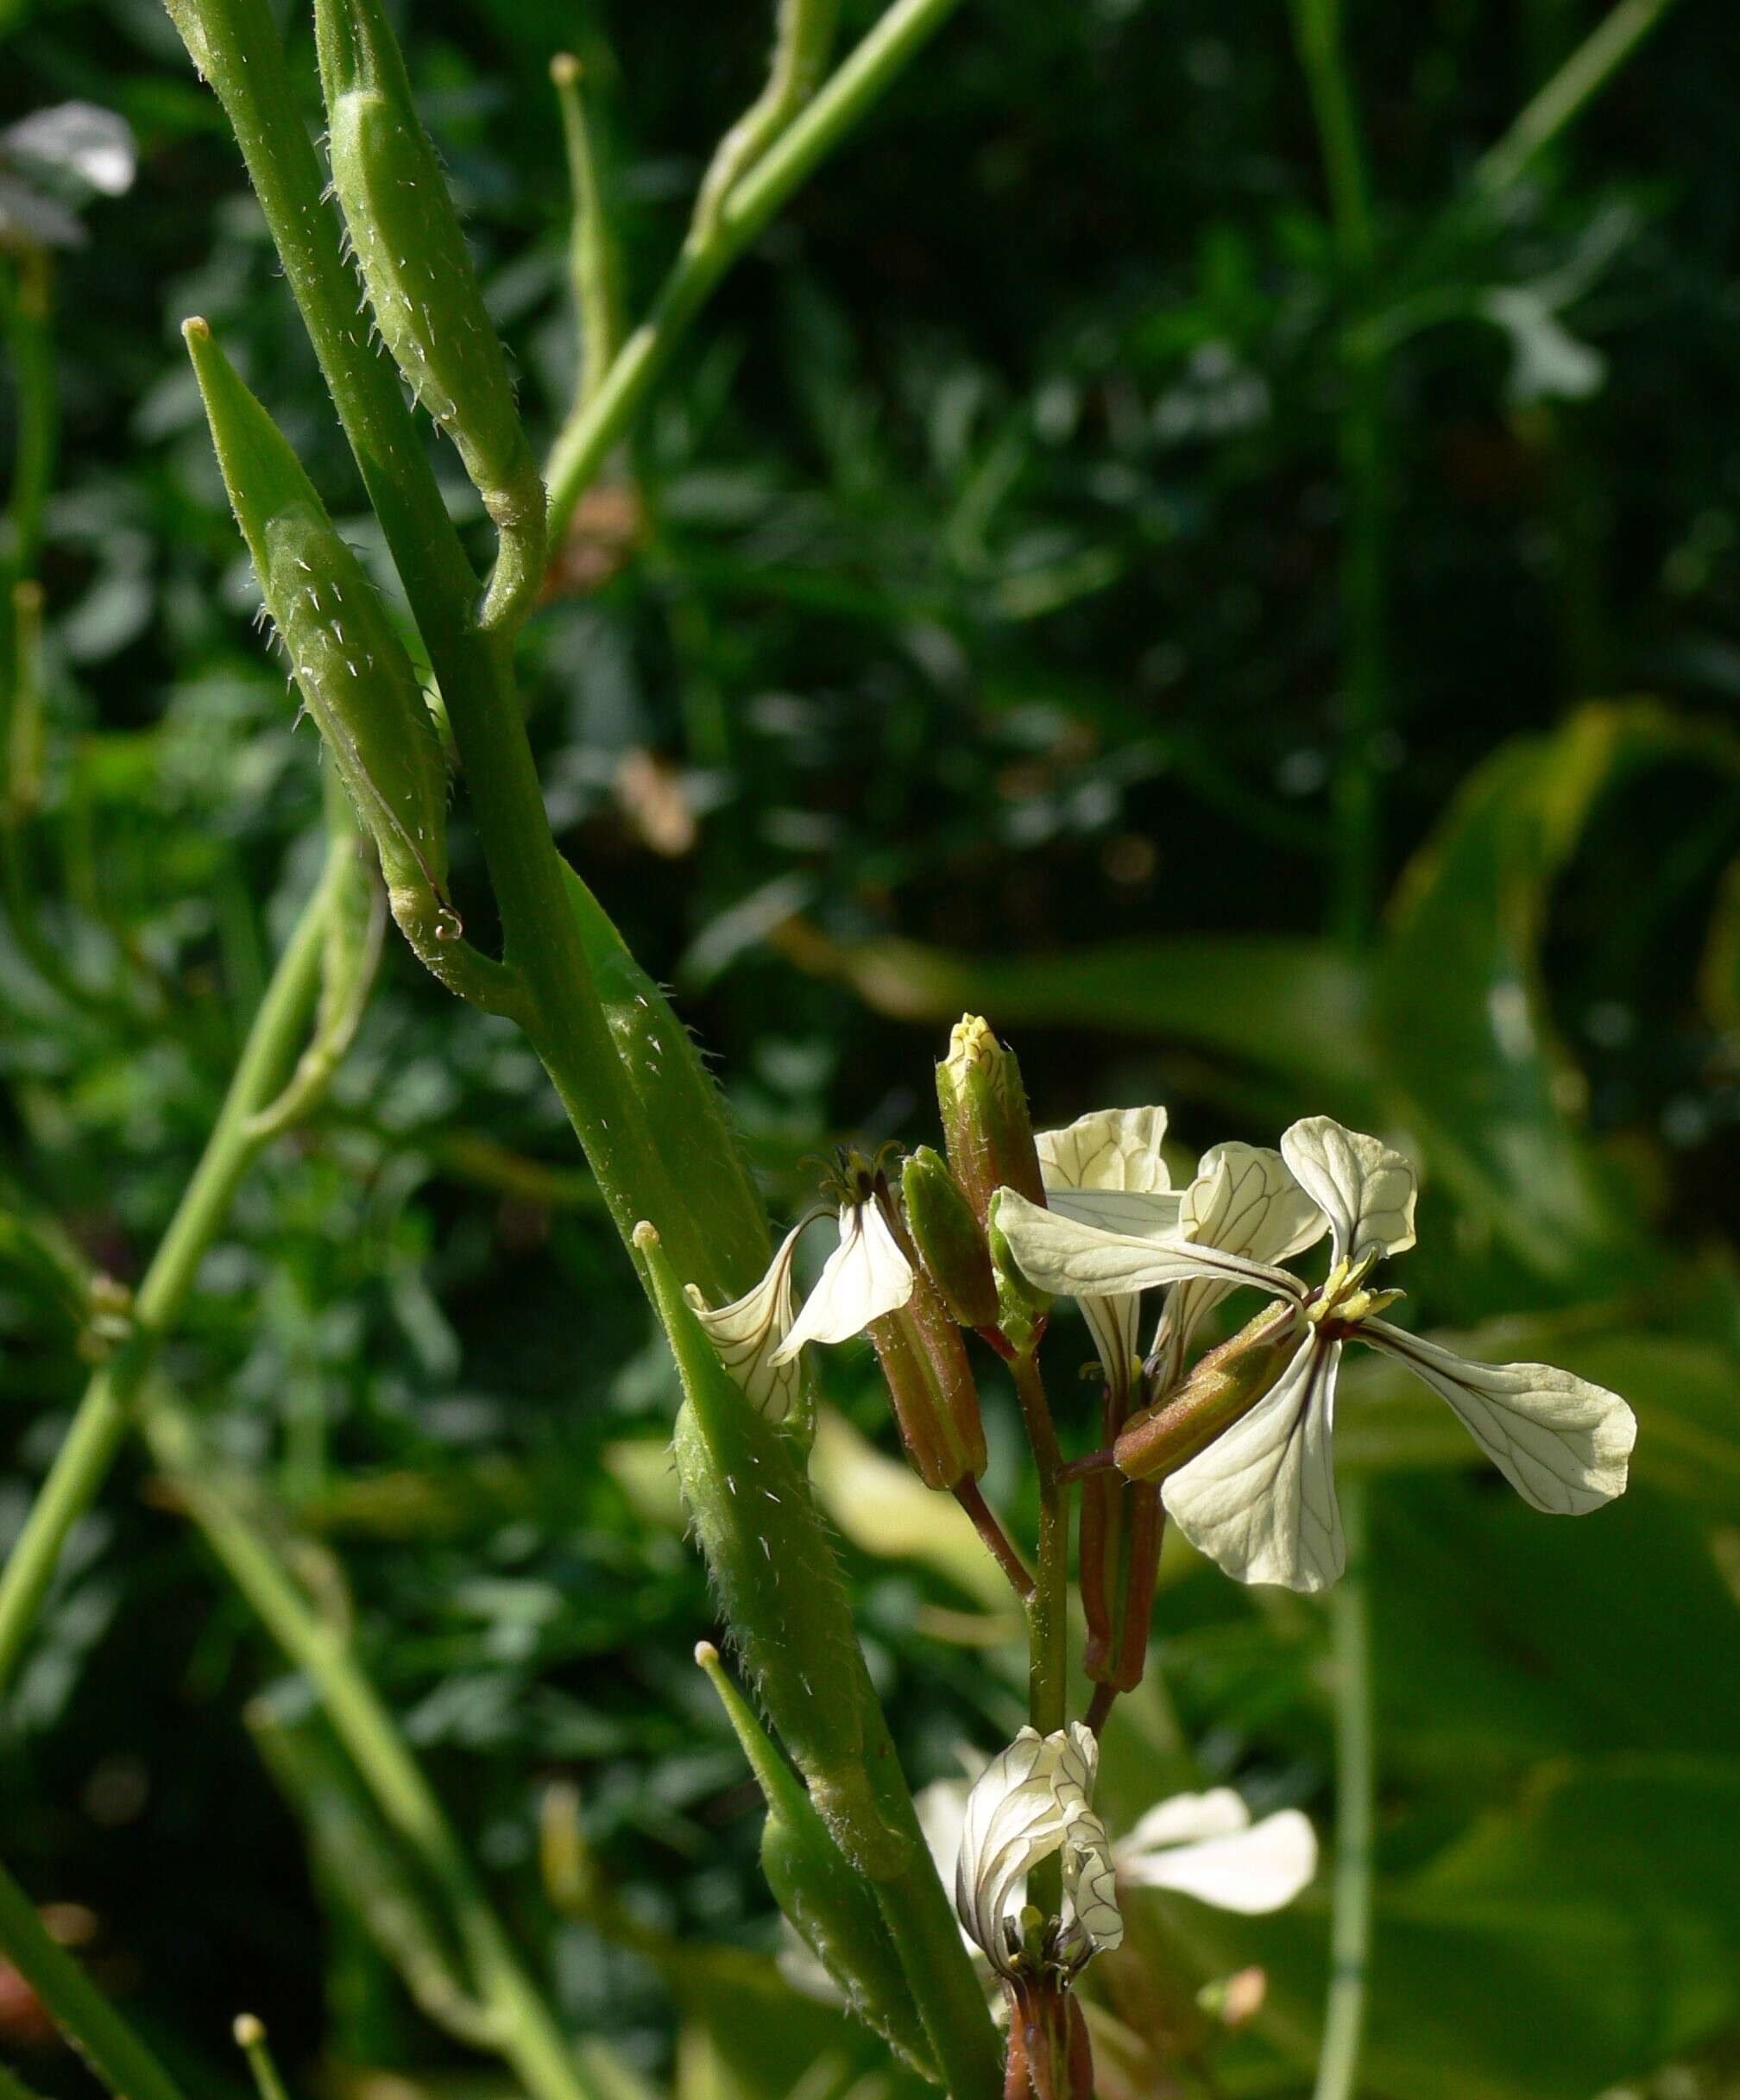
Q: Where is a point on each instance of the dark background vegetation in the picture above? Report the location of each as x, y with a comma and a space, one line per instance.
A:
972, 580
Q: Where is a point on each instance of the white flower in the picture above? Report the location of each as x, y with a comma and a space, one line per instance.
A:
1107, 1170
867, 1274
1206, 1845
1034, 1801
748, 1332
1260, 1500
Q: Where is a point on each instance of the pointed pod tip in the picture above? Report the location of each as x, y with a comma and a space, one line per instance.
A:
707, 1657
249, 2029
645, 1236
566, 69
195, 329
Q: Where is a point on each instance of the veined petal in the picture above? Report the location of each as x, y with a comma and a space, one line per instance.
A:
1561, 1442
1244, 1201
866, 1276
1076, 1260
1090, 1884
1365, 1190
1142, 1213
1014, 1818
1252, 1870
1260, 1500
748, 1332
1111, 1148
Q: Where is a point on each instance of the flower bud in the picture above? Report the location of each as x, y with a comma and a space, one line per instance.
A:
830, 1904
1122, 1527
985, 1126
950, 1239
345, 656
778, 1578
410, 249
929, 1380
1223, 1386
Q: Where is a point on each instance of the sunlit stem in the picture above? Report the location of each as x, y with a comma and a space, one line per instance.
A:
100, 1421
1349, 1941
997, 1540
1048, 1608
839, 106
592, 258
802, 37
250, 2038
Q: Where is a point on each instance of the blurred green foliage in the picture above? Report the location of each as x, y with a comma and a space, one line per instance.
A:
961, 629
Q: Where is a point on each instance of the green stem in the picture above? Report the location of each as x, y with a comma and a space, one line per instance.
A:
592, 258
1365, 478
100, 1421
1578, 81
1350, 1944
32, 345
851, 91
83, 2015
804, 35
525, 2032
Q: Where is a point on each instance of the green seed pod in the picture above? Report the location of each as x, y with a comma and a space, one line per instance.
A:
986, 1125
348, 662
1122, 1528
777, 1580
827, 1900
720, 1242
1223, 1386
411, 250
929, 1381
950, 1238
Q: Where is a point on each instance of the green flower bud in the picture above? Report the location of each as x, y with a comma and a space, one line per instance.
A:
1223, 1386
1122, 1527
411, 250
985, 1126
778, 1581
950, 1239
827, 1901
350, 664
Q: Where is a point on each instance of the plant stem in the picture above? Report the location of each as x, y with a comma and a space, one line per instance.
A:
1350, 1944
1365, 479
997, 1543
83, 2015
1578, 81
31, 339
1048, 1608
851, 90
593, 262
525, 2032
100, 1421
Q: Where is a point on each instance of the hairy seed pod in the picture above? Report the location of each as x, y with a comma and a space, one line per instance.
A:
725, 1250
348, 664
779, 1582
411, 250
827, 1900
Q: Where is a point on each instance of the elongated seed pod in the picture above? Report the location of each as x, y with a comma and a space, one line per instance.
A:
826, 1898
779, 1582
411, 250
950, 1238
719, 1243
1121, 1529
348, 664
1223, 1386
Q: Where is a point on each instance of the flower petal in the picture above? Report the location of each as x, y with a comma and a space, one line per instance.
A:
1061, 1255
1244, 1201
1143, 1215
1365, 1190
866, 1276
1185, 1819
1260, 1501
1111, 1148
747, 1333
1014, 1818
1249, 1870
1562, 1443
80, 139
1090, 1883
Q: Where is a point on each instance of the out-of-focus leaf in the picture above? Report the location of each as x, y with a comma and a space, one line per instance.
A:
1297, 1008
1459, 1013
